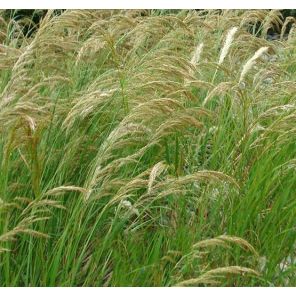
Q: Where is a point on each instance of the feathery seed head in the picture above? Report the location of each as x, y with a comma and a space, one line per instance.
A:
197, 53
251, 62
227, 44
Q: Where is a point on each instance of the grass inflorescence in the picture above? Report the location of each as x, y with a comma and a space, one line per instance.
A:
141, 148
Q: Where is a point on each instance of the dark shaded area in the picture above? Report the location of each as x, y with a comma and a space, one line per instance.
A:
31, 18
288, 12
273, 34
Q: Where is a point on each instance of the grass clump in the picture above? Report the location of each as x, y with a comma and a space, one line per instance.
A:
147, 149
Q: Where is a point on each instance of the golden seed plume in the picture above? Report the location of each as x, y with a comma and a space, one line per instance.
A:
197, 53
227, 44
251, 62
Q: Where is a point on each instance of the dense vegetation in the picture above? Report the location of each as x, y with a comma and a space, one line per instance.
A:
143, 149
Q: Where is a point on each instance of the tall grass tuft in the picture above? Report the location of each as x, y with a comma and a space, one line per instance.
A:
130, 157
